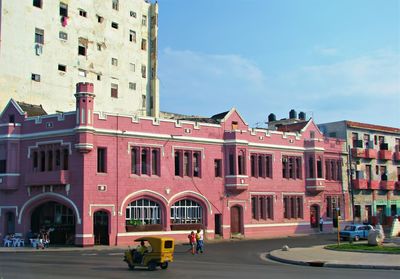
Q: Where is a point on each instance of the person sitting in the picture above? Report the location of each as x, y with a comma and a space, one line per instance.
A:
140, 251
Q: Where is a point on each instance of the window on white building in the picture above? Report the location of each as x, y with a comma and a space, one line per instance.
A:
35, 77
114, 25
144, 20
63, 9
114, 90
115, 5
62, 68
82, 13
132, 36
63, 36
38, 3
39, 36
132, 86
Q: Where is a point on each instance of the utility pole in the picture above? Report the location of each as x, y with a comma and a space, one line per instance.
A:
350, 173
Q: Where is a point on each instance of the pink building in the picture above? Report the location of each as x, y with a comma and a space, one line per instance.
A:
99, 178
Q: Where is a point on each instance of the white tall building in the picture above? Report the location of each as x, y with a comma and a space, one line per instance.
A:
47, 46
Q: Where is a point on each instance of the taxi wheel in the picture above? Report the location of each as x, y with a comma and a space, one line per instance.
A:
131, 267
152, 266
164, 265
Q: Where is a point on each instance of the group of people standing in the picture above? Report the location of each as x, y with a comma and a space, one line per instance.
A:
196, 242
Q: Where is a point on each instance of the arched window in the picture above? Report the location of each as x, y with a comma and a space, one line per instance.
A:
144, 212
186, 212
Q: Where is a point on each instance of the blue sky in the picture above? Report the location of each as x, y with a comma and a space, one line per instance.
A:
335, 60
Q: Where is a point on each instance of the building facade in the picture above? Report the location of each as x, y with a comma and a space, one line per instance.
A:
374, 168
104, 178
46, 47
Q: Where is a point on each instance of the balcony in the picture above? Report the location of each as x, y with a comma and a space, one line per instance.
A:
9, 181
358, 152
371, 153
396, 156
387, 185
384, 154
237, 182
58, 177
359, 184
368, 153
373, 184
315, 185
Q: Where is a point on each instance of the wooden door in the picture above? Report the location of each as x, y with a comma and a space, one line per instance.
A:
236, 220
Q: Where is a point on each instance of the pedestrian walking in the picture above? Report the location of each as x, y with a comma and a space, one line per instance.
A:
199, 241
192, 242
321, 224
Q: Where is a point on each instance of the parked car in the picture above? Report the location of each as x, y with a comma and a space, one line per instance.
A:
355, 232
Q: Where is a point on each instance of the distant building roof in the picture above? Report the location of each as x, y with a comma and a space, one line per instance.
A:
194, 118
220, 116
353, 124
32, 110
294, 127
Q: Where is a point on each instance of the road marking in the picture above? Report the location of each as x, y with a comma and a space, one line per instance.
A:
87, 254
116, 254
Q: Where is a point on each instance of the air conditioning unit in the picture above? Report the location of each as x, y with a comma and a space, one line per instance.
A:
39, 49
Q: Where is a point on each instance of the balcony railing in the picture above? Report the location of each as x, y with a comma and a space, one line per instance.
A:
387, 185
373, 184
358, 152
359, 184
384, 154
371, 153
47, 178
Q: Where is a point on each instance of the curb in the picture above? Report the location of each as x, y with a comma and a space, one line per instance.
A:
327, 264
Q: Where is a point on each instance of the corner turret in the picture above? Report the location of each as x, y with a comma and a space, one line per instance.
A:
84, 116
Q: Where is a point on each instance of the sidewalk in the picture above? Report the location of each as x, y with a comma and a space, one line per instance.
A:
318, 256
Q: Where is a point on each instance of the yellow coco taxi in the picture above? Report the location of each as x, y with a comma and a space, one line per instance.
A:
151, 252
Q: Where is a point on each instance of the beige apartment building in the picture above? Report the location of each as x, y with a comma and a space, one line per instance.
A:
374, 168
46, 47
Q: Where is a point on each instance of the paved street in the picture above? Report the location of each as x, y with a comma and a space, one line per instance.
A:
230, 259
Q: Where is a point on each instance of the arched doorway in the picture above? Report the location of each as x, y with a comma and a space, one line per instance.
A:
59, 218
314, 215
236, 220
100, 228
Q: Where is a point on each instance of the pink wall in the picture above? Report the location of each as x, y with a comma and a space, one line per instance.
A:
118, 134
